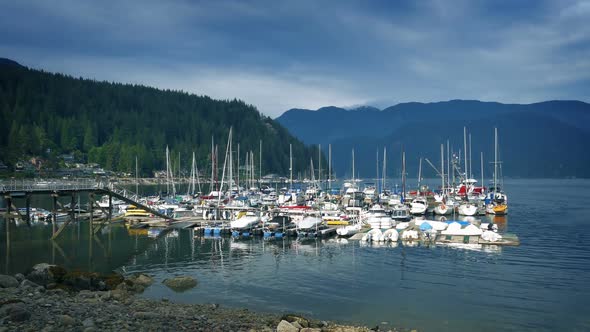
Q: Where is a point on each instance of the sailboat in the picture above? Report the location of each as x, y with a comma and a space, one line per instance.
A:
497, 200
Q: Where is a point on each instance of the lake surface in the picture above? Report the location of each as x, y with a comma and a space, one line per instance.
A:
542, 285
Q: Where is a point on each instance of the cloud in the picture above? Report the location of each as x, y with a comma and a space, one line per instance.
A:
308, 54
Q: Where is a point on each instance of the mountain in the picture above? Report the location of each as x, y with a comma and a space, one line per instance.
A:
46, 115
547, 139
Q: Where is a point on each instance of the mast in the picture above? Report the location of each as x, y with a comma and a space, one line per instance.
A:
167, 172
495, 160
482, 170
442, 166
384, 168
212, 165
260, 161
136, 178
377, 169
465, 149
470, 159
238, 163
403, 175
419, 174
320, 166
448, 164
227, 153
353, 166
330, 166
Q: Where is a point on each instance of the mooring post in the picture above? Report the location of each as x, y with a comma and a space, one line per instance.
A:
91, 205
72, 206
28, 207
8, 201
110, 208
54, 213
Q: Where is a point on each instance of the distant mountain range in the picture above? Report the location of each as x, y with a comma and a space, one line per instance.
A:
546, 139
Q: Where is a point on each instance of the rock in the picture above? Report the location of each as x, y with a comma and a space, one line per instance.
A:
90, 329
88, 322
143, 280
145, 315
44, 274
19, 277
303, 322
66, 320
8, 281
285, 326
180, 283
29, 283
310, 329
16, 312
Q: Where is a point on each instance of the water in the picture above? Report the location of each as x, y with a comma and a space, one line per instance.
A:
542, 285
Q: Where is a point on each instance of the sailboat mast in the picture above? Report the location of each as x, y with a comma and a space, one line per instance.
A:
212, 164
403, 175
238, 163
470, 159
377, 169
353, 166
442, 166
167, 172
330, 166
495, 159
136, 178
419, 174
482, 169
448, 164
320, 165
465, 149
260, 161
384, 168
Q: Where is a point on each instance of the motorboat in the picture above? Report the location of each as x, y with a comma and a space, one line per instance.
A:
418, 206
400, 212
467, 209
349, 230
245, 221
376, 217
374, 235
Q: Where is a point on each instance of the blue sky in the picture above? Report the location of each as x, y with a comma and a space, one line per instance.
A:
279, 55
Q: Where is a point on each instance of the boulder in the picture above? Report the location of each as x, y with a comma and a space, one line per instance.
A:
142, 279
28, 283
66, 320
43, 274
16, 312
8, 281
285, 326
303, 322
180, 283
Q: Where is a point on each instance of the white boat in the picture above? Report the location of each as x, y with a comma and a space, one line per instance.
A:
309, 223
349, 230
400, 212
467, 209
442, 209
390, 235
378, 218
246, 221
418, 206
374, 235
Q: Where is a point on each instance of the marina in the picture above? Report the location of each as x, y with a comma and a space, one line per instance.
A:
391, 281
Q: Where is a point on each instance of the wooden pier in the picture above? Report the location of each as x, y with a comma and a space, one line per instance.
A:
73, 189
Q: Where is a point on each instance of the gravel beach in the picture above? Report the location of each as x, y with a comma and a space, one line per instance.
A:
48, 298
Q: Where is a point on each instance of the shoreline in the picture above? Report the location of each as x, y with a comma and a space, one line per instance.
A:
49, 298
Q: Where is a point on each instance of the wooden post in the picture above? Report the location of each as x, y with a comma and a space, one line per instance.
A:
54, 214
28, 207
8, 201
72, 206
110, 208
91, 206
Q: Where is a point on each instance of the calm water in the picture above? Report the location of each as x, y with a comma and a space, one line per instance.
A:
542, 285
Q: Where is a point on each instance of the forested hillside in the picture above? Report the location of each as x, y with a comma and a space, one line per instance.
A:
46, 115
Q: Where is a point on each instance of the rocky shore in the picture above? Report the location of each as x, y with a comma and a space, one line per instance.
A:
49, 298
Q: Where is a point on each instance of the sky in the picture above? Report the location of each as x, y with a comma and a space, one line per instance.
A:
278, 55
